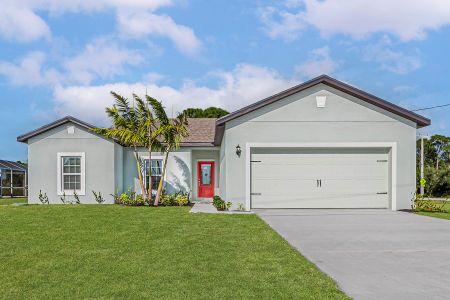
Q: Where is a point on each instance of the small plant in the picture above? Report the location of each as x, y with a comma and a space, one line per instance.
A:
240, 207
182, 200
43, 198
63, 198
98, 197
129, 199
424, 203
220, 204
168, 200
77, 198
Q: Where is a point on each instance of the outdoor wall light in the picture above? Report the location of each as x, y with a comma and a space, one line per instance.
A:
238, 150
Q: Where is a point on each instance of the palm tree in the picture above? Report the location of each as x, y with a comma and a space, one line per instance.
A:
172, 132
130, 126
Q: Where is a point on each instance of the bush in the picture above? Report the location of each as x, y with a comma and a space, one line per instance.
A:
98, 197
130, 199
168, 200
182, 200
423, 203
220, 204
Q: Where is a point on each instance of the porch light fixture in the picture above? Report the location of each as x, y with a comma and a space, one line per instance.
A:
238, 150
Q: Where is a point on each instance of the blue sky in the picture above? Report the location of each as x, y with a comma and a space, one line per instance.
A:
62, 58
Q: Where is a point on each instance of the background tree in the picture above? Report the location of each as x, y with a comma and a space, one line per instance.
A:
210, 112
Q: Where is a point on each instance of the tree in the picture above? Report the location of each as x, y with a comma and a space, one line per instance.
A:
127, 129
441, 144
210, 112
172, 132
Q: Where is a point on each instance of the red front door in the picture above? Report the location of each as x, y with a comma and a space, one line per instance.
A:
205, 179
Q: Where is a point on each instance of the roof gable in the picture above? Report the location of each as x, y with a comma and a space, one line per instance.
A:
338, 85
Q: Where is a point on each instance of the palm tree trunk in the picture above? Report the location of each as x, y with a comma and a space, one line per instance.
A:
150, 181
141, 181
161, 181
437, 163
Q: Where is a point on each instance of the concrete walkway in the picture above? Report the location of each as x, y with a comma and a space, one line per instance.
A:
372, 254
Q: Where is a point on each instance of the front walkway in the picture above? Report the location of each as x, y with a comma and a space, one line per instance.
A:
372, 254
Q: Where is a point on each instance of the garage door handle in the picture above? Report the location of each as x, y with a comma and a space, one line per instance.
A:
319, 182
255, 194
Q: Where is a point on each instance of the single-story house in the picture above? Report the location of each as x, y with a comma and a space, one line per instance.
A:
320, 144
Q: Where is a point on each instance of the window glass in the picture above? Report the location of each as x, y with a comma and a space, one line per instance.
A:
71, 173
206, 174
156, 172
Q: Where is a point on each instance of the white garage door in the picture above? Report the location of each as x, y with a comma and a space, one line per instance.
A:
319, 178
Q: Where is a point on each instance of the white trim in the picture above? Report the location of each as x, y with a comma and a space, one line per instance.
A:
60, 191
389, 145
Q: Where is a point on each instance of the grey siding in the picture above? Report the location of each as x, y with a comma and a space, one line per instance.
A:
100, 156
296, 119
178, 176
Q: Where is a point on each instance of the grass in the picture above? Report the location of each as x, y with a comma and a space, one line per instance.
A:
442, 215
8, 201
110, 251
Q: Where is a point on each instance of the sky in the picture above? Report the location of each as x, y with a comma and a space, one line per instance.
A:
63, 57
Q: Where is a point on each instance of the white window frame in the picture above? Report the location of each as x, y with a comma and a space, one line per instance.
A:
60, 190
154, 157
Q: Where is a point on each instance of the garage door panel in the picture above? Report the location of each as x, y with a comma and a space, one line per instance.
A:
350, 178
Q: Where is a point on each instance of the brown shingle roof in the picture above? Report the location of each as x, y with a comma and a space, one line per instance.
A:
201, 131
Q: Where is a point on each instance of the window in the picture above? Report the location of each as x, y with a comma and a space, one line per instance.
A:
71, 173
156, 172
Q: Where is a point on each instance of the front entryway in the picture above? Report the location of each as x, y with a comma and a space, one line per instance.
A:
205, 179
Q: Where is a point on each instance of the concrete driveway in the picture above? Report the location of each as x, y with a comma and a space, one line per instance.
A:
372, 254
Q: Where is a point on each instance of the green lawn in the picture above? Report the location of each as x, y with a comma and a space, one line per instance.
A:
8, 201
110, 251
442, 215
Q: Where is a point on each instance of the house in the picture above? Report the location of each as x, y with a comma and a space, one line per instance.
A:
320, 144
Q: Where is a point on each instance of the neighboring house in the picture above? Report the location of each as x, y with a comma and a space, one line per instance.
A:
320, 144
13, 179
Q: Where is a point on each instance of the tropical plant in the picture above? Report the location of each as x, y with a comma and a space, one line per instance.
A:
220, 204
63, 198
43, 197
424, 203
182, 200
133, 126
172, 132
98, 197
77, 198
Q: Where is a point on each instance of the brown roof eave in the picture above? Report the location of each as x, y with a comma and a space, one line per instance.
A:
343, 87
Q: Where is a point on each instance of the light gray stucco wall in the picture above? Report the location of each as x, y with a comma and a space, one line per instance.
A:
100, 155
206, 155
223, 170
296, 119
178, 175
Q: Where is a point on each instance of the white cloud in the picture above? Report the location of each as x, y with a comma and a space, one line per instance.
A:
101, 58
281, 24
21, 24
392, 60
239, 87
319, 63
360, 18
29, 71
139, 24
136, 18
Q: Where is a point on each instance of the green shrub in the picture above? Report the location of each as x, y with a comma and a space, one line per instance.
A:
130, 199
98, 197
220, 204
424, 203
168, 200
182, 200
